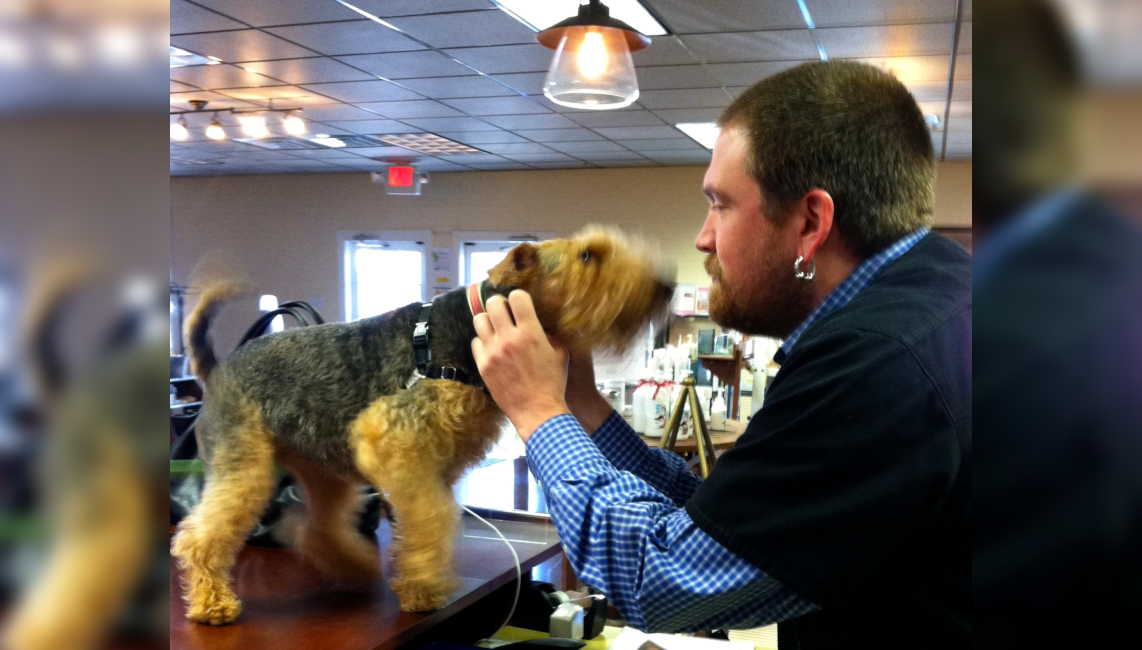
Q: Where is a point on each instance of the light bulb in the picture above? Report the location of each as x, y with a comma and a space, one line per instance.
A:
592, 55
254, 126
178, 130
215, 130
294, 125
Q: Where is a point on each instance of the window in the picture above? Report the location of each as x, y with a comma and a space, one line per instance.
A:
478, 252
383, 272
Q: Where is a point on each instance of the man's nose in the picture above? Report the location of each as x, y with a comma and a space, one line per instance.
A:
705, 241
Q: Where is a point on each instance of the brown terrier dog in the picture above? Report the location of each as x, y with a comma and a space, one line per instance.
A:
342, 404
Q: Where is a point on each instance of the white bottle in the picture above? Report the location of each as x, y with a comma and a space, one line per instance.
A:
718, 413
658, 409
640, 398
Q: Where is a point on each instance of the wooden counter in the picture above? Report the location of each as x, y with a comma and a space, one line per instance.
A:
287, 604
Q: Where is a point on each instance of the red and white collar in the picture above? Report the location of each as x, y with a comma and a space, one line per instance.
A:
476, 299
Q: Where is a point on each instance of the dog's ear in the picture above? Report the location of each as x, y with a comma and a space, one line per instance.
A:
519, 262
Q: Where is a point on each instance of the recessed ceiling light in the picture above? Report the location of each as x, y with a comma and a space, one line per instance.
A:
705, 133
428, 143
328, 141
541, 15
321, 135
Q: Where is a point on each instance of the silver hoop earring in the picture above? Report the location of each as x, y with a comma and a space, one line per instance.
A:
804, 275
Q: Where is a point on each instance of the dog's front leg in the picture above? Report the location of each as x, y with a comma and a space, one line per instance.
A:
400, 455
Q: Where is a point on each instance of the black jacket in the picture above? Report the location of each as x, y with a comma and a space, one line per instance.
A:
852, 485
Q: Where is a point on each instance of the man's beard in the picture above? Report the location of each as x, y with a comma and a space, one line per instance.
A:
774, 308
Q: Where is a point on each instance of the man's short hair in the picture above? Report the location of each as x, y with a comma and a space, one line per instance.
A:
850, 129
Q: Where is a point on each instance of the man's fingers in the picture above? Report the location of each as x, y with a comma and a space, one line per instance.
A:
500, 314
478, 352
524, 311
483, 325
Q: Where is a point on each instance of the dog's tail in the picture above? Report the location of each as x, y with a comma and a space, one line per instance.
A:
53, 289
198, 345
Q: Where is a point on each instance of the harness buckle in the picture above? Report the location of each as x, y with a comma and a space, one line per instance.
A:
420, 335
448, 372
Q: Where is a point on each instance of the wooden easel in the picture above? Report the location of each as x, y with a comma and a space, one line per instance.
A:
706, 456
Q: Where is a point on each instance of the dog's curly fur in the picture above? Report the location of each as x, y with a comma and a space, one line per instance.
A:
330, 403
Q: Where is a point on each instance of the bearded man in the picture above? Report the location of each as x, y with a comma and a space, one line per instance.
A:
844, 511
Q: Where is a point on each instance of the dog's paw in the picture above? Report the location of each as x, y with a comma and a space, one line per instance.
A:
218, 610
418, 597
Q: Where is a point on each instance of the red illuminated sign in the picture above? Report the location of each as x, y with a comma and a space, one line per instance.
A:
400, 176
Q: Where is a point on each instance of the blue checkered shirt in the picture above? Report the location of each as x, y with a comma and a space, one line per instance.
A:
857, 281
617, 505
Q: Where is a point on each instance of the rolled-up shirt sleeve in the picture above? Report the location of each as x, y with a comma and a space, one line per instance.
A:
638, 545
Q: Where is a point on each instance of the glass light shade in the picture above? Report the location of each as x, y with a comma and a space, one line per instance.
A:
178, 130
215, 131
294, 125
592, 69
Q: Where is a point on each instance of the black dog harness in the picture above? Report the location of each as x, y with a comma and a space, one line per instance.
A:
423, 352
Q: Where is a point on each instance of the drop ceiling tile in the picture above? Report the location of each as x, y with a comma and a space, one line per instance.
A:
211, 77
570, 164
910, 69
929, 91
501, 167
327, 154
593, 119
308, 71
559, 135
663, 50
887, 40
602, 158
186, 18
439, 124
747, 74
529, 83
505, 58
641, 162
391, 8
466, 29
639, 132
599, 146
384, 152
513, 122
364, 91
513, 105
540, 157
181, 101
689, 17
373, 127
845, 13
418, 108
699, 98
407, 65
241, 46
456, 87
261, 13
959, 124
675, 76
336, 112
682, 115
679, 157
515, 149
473, 158
963, 67
178, 87
661, 145
780, 45
475, 138
959, 139
283, 95
439, 166
965, 38
353, 37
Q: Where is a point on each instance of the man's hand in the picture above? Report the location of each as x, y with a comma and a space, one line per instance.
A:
524, 371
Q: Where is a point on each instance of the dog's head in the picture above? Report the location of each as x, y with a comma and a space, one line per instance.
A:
596, 290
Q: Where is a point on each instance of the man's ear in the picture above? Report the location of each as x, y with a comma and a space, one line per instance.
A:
817, 207
515, 265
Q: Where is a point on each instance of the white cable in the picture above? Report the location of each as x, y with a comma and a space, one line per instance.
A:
518, 571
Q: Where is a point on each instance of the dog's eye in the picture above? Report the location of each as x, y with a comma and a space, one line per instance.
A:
585, 256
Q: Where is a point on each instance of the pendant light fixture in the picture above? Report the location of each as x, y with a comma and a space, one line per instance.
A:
592, 68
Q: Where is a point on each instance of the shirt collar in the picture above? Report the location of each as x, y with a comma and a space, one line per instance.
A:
857, 282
